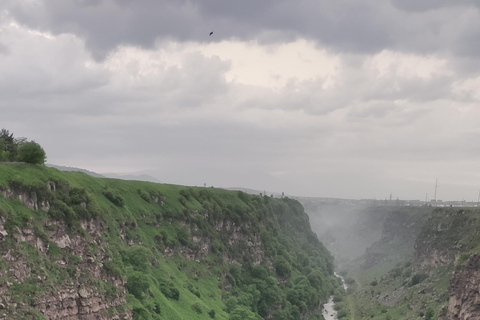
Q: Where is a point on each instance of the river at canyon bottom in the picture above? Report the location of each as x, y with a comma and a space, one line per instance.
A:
329, 312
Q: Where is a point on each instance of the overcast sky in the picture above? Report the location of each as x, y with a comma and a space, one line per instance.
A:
339, 98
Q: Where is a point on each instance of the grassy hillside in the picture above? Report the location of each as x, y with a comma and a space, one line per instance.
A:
75, 245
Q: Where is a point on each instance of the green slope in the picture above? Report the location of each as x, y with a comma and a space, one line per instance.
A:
154, 251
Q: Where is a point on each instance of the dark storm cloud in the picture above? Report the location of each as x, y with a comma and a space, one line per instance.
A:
367, 26
106, 24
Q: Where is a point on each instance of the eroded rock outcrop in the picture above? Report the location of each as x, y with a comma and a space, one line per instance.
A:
464, 301
438, 243
78, 298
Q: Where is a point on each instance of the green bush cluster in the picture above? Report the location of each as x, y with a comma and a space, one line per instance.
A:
114, 198
138, 257
19, 149
211, 313
137, 284
145, 196
429, 314
169, 290
112, 268
197, 307
69, 204
194, 290
417, 278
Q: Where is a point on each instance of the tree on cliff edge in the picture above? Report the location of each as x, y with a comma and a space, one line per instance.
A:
7, 145
31, 152
19, 149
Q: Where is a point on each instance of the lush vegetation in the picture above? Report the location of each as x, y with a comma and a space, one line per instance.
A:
183, 253
19, 149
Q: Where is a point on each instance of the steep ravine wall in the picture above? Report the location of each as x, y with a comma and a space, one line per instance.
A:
448, 240
75, 299
464, 292
399, 229
79, 248
446, 234
82, 299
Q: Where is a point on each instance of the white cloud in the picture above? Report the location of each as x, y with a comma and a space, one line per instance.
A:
274, 66
297, 116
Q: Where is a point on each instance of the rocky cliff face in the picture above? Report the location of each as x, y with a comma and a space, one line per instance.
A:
446, 234
25, 284
31, 270
464, 300
445, 240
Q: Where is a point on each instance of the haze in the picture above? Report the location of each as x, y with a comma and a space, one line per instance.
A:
316, 98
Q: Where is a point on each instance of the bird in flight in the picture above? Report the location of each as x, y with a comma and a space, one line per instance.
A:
210, 33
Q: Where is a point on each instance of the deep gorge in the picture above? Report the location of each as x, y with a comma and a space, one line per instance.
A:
77, 247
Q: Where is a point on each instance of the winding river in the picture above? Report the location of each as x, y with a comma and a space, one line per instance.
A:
329, 312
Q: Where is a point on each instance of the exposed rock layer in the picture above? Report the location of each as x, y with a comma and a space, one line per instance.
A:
464, 301
73, 300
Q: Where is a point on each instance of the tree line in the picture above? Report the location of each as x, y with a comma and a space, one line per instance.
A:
14, 149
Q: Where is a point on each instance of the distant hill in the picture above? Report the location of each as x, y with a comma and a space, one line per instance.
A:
253, 191
131, 176
63, 168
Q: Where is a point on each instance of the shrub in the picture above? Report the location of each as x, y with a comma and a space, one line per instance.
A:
140, 313
145, 196
282, 267
74, 259
60, 211
139, 257
211, 313
397, 272
217, 247
185, 194
110, 290
231, 304
417, 278
113, 269
78, 196
197, 307
242, 313
157, 308
31, 152
316, 278
429, 314
337, 298
342, 313
193, 290
137, 284
169, 291
54, 251
115, 199
183, 235
462, 258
